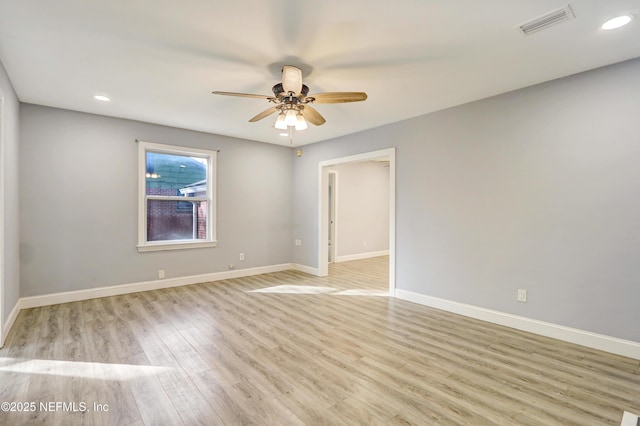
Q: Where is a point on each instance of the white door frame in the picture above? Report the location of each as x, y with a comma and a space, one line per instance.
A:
334, 234
323, 195
2, 229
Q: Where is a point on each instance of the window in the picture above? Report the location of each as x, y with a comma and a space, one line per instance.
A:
176, 197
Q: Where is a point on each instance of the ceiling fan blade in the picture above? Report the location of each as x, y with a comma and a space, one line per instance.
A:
263, 114
313, 116
292, 79
338, 97
243, 95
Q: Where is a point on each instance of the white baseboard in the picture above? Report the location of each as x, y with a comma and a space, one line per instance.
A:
306, 269
92, 293
360, 256
629, 419
9, 322
585, 338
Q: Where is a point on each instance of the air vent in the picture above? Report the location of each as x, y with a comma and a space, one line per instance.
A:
547, 20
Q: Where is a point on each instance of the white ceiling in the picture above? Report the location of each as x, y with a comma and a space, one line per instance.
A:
160, 60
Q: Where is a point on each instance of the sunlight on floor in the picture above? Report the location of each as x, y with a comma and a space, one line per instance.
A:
362, 292
89, 370
295, 289
311, 289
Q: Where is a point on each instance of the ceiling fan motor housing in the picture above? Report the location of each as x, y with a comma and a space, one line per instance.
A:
278, 91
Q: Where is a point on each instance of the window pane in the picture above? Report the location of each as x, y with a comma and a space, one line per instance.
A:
170, 220
169, 174
174, 182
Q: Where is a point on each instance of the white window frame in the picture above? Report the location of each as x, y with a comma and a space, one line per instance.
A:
210, 198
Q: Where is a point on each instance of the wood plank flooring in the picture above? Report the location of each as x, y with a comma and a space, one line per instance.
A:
288, 349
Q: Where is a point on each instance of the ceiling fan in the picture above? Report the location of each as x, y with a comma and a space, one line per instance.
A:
292, 101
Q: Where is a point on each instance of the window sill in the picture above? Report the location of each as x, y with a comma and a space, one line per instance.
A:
175, 246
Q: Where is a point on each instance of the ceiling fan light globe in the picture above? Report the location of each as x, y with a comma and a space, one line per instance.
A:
301, 123
290, 118
280, 122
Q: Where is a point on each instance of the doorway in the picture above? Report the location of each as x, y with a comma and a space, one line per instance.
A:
324, 214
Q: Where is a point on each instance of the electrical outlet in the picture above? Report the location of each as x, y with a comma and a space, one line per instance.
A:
231, 266
160, 274
241, 256
298, 243
364, 243
522, 295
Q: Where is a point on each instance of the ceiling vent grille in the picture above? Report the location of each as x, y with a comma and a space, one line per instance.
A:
547, 20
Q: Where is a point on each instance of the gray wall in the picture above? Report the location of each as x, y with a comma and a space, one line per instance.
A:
363, 207
9, 177
535, 189
78, 203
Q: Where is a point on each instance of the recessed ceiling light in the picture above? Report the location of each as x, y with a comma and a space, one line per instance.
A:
617, 22
102, 98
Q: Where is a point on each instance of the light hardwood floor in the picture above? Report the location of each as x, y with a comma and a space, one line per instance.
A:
288, 348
